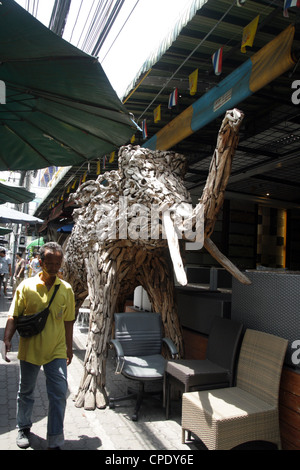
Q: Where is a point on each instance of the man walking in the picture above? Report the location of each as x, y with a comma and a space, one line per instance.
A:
19, 271
52, 348
5, 269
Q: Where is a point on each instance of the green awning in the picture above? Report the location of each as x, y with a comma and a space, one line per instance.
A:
60, 108
4, 231
14, 194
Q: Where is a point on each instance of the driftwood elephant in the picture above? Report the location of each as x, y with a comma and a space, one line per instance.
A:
125, 236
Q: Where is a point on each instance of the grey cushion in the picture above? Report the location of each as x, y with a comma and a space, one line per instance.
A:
193, 372
144, 367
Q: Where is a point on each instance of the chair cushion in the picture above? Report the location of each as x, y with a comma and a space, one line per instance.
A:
144, 367
228, 403
197, 372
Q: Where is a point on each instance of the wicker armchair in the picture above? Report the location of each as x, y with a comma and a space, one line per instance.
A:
226, 418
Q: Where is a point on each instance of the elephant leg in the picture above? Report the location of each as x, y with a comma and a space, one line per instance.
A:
157, 279
103, 291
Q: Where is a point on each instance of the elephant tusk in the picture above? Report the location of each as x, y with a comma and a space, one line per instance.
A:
174, 248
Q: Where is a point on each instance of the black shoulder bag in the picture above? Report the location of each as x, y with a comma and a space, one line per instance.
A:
31, 325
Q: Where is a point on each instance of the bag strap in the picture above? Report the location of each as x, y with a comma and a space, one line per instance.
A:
48, 306
54, 294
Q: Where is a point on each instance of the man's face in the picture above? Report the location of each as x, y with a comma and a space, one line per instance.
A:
52, 262
2, 254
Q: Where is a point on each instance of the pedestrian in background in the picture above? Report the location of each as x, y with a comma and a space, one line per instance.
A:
19, 271
34, 265
5, 269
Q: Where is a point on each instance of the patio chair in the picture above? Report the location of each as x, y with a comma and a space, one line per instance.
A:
228, 417
138, 344
216, 371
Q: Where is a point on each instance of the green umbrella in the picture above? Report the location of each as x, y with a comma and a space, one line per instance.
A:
35, 243
5, 231
60, 108
14, 194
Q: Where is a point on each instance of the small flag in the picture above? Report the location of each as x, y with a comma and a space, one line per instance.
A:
289, 4
217, 61
112, 157
173, 98
157, 113
98, 167
144, 129
193, 82
83, 178
249, 33
132, 140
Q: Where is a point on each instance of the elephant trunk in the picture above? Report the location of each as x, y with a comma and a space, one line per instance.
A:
213, 194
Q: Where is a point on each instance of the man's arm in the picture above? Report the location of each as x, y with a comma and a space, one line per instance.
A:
22, 268
8, 334
69, 340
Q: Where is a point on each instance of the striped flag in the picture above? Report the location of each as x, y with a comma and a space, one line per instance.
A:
290, 4
144, 129
217, 61
173, 98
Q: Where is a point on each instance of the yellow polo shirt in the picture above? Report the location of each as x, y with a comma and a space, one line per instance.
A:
31, 297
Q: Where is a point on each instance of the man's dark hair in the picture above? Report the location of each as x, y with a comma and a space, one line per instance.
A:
50, 246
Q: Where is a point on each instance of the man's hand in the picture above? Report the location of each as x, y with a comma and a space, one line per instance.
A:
69, 340
8, 334
69, 356
7, 345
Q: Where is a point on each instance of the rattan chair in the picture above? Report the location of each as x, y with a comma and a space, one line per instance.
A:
138, 344
217, 370
226, 418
